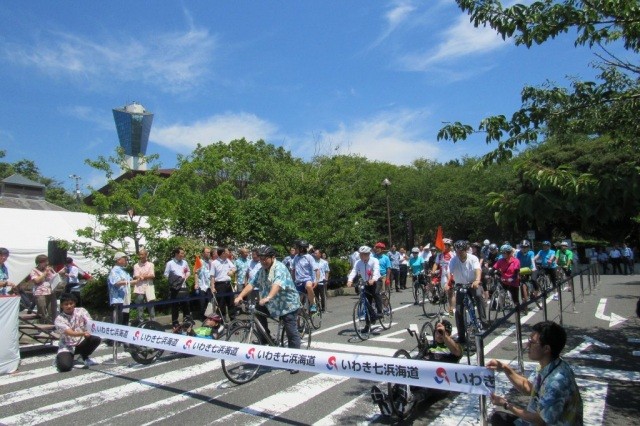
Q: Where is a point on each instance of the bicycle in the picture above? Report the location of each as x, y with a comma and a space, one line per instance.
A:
526, 278
143, 354
419, 283
500, 302
434, 298
315, 318
254, 333
362, 310
472, 324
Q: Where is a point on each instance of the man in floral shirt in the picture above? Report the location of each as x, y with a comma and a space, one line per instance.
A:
75, 339
555, 397
278, 295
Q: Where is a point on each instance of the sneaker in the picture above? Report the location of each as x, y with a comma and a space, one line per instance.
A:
379, 398
365, 330
555, 296
89, 362
313, 308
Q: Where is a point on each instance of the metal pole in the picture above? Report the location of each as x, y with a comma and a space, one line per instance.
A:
582, 285
386, 182
480, 358
519, 339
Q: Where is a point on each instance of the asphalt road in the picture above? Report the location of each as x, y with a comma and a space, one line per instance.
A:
603, 345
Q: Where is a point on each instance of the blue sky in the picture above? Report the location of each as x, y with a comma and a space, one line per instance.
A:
371, 78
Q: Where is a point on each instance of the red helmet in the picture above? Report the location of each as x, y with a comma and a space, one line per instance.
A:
215, 317
380, 245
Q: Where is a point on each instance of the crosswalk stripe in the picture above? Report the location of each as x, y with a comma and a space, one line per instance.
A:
274, 405
53, 411
336, 416
359, 349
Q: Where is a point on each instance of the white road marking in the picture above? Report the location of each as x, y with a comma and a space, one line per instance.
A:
274, 405
614, 319
324, 330
336, 416
387, 337
360, 349
577, 352
47, 413
594, 397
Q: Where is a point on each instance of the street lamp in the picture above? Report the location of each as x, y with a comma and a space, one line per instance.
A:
386, 183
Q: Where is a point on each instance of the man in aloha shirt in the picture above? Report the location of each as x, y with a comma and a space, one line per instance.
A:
555, 397
277, 292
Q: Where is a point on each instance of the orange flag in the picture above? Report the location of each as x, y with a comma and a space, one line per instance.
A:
439, 242
198, 264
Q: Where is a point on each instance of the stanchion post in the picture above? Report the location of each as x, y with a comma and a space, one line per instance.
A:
544, 304
559, 292
582, 286
483, 398
519, 339
589, 283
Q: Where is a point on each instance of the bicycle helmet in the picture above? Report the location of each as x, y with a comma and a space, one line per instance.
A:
380, 245
506, 248
364, 250
215, 317
462, 245
525, 243
267, 251
493, 247
447, 241
415, 250
546, 243
486, 242
564, 244
301, 244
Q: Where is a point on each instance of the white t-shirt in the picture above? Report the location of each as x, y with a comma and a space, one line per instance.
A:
464, 272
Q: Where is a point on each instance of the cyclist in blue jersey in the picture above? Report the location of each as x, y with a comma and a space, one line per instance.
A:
525, 256
547, 259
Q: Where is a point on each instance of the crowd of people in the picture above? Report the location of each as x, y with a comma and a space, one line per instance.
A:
229, 279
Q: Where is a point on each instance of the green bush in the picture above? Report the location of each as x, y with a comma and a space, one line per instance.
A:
339, 271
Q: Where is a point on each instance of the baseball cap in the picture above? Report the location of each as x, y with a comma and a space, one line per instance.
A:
119, 255
379, 245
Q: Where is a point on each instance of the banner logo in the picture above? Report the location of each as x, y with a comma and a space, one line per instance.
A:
332, 363
441, 376
93, 328
250, 353
136, 335
187, 344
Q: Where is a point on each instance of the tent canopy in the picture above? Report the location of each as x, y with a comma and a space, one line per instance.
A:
26, 234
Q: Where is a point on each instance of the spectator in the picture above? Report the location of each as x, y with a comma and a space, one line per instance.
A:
177, 272
615, 257
394, 257
75, 338
627, 259
603, 260
119, 282
554, 395
71, 271
222, 272
144, 273
41, 277
404, 268
6, 286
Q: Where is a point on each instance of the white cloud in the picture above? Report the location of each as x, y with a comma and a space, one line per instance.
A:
398, 14
173, 61
460, 40
222, 127
393, 137
89, 114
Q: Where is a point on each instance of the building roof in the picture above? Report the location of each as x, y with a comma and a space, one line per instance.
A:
17, 179
13, 202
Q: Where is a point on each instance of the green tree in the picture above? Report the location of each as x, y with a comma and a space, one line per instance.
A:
608, 106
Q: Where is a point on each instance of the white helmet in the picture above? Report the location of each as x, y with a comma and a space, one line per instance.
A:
364, 249
486, 242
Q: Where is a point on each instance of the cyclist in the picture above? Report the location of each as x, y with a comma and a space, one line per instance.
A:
443, 349
465, 268
369, 269
305, 272
564, 259
527, 267
547, 259
212, 328
384, 261
416, 264
484, 251
278, 295
509, 268
442, 264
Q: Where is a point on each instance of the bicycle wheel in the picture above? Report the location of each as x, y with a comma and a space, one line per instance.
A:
426, 333
497, 305
316, 318
304, 327
361, 319
433, 301
399, 395
418, 293
240, 372
544, 284
143, 354
387, 312
534, 294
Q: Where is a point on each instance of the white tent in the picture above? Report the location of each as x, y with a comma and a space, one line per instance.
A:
26, 234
